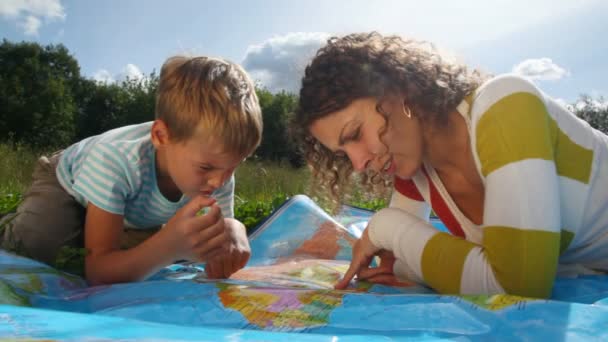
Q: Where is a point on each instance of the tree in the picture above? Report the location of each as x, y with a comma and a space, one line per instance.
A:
106, 106
37, 105
595, 112
276, 145
141, 98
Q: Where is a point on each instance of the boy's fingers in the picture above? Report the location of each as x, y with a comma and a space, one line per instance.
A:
209, 270
215, 242
227, 263
244, 259
210, 231
214, 253
236, 263
196, 204
210, 218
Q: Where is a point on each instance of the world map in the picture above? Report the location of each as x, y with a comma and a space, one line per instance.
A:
285, 292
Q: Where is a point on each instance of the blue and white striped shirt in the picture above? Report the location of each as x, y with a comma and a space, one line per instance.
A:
116, 172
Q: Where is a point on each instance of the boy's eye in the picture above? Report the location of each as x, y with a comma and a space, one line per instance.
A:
206, 167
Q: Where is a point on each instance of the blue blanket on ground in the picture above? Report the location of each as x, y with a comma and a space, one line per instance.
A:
286, 292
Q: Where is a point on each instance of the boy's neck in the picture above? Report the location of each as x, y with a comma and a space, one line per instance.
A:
165, 184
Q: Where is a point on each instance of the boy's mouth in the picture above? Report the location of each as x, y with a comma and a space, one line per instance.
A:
206, 192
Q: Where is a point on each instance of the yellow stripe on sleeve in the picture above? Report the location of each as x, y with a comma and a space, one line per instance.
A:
518, 127
572, 160
443, 261
565, 239
512, 129
524, 261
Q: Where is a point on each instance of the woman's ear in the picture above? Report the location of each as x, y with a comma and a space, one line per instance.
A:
160, 133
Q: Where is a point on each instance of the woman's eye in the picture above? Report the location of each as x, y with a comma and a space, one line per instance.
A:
356, 135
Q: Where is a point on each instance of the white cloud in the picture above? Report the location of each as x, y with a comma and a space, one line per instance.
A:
29, 14
130, 71
30, 25
542, 69
103, 76
278, 63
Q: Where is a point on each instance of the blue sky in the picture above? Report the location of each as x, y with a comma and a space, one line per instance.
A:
561, 44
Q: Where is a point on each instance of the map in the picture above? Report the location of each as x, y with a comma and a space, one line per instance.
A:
285, 292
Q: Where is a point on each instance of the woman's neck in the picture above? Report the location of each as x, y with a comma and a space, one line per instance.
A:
448, 144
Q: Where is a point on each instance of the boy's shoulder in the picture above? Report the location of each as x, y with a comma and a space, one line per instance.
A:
127, 144
126, 133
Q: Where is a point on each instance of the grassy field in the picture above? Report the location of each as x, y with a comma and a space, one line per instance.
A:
256, 181
16, 168
260, 186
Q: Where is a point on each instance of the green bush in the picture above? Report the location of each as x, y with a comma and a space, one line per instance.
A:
251, 213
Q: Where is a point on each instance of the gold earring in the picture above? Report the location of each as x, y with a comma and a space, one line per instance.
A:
407, 112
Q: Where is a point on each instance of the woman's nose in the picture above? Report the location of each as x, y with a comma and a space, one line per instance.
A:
360, 158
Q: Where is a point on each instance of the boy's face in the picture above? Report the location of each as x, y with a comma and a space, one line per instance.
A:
198, 165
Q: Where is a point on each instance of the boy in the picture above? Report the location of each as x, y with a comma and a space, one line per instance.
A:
139, 177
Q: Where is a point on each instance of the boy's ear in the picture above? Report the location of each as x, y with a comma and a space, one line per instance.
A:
160, 133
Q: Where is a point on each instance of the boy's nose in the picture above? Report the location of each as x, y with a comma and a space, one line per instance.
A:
218, 180
215, 182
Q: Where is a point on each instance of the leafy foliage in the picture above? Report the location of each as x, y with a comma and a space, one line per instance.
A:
252, 213
9, 203
45, 103
276, 144
107, 106
37, 104
595, 112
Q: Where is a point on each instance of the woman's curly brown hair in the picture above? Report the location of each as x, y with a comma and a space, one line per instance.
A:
363, 65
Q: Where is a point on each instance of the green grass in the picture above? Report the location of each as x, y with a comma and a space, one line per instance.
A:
260, 187
16, 169
264, 181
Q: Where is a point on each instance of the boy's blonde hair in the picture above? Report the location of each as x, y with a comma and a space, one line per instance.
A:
215, 93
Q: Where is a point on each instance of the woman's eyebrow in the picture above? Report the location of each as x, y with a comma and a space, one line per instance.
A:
341, 138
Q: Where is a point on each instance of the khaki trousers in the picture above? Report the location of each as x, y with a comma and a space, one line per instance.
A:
49, 218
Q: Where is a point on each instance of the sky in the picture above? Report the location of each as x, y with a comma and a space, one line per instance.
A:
560, 44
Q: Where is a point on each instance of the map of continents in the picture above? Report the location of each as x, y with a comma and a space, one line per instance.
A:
279, 309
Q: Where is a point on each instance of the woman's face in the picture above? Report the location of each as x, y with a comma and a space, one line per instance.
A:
357, 132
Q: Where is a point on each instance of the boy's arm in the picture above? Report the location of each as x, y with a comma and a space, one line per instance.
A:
106, 263
186, 236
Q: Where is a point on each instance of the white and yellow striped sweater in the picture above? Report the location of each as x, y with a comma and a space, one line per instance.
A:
545, 174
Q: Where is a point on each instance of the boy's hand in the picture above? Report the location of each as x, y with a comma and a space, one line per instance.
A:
195, 237
236, 252
363, 253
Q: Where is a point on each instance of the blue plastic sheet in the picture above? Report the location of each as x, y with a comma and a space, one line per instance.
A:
286, 293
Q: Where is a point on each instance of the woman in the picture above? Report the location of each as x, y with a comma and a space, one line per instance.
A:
520, 182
